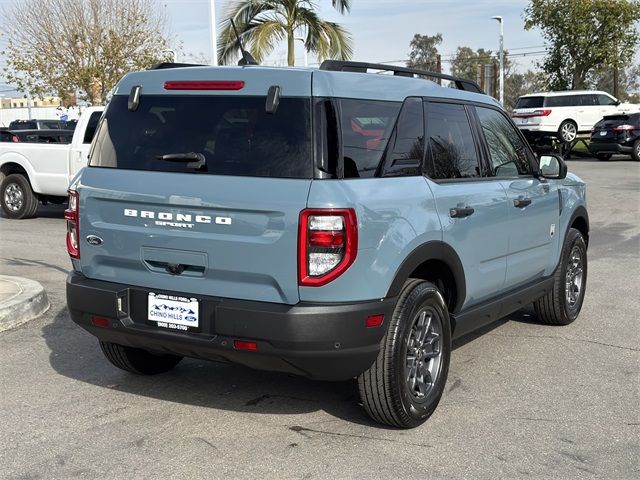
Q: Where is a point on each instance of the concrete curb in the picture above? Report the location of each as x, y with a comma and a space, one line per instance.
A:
21, 300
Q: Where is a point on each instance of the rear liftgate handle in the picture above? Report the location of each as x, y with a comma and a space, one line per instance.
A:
459, 212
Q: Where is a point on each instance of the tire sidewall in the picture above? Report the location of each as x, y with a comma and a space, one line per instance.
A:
560, 135
636, 151
573, 238
428, 297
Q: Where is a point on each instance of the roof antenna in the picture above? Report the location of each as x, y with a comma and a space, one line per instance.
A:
246, 59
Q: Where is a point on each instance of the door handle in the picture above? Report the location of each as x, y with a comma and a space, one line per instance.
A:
521, 202
460, 212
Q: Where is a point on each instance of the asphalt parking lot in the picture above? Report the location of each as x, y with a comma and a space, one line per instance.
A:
523, 400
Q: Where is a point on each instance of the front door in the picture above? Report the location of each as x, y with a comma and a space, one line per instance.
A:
532, 204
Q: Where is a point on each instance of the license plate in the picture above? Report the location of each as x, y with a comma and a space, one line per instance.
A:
172, 312
603, 133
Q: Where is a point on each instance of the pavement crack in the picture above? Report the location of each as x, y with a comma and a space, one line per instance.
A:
304, 432
582, 340
261, 398
204, 440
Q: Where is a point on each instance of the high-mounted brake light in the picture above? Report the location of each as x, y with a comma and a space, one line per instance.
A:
71, 214
625, 128
204, 85
327, 244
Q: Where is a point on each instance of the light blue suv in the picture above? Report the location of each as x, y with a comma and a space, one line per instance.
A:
330, 223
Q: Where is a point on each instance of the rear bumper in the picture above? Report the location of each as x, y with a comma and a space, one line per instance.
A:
597, 147
320, 341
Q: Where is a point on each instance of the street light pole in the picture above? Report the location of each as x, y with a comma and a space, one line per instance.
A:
499, 19
306, 62
214, 37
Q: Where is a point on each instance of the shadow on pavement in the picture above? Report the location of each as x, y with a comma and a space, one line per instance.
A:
220, 386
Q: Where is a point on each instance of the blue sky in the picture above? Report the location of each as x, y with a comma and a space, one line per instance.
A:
383, 29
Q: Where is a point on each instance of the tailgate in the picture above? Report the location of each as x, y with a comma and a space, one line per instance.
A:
224, 236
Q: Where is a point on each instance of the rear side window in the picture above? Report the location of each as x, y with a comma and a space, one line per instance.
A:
219, 135
509, 154
405, 153
92, 125
583, 100
530, 102
366, 127
450, 141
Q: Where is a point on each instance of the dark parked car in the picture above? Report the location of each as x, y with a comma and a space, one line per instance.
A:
43, 136
42, 125
616, 134
7, 136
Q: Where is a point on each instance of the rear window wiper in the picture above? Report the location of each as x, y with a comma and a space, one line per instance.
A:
193, 159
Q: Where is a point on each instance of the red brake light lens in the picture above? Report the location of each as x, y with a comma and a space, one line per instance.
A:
327, 244
71, 214
374, 321
624, 128
536, 113
204, 85
244, 345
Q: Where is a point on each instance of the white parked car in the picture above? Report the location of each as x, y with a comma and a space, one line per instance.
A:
565, 114
35, 172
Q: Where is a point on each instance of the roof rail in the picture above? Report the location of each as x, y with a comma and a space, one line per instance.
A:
163, 65
363, 67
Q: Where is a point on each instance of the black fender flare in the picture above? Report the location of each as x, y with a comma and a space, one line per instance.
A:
433, 250
579, 212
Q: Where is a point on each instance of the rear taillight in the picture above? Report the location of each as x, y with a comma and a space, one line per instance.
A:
624, 128
535, 113
71, 214
327, 244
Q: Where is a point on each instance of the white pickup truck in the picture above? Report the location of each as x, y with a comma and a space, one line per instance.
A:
31, 173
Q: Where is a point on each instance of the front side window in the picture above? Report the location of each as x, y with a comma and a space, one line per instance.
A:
606, 100
509, 154
450, 142
92, 125
366, 128
219, 135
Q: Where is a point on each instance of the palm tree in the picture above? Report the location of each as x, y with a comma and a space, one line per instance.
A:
262, 24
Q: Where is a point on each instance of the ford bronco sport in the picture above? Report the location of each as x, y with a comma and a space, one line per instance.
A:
330, 223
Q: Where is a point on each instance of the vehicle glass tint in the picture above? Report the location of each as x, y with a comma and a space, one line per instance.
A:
405, 158
219, 135
509, 153
562, 101
366, 127
530, 102
453, 152
92, 125
606, 100
50, 124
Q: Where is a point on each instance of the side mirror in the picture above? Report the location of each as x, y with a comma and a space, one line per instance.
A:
552, 166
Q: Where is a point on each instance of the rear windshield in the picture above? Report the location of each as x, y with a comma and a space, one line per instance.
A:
219, 135
530, 102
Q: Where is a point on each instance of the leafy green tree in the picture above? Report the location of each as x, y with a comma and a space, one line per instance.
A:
262, 24
584, 36
466, 61
518, 84
424, 52
61, 46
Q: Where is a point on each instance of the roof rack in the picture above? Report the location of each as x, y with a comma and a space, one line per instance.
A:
363, 67
163, 65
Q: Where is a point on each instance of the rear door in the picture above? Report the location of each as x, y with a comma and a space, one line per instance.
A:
532, 204
198, 194
471, 206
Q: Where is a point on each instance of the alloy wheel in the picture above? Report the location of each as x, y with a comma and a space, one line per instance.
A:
13, 197
424, 354
574, 277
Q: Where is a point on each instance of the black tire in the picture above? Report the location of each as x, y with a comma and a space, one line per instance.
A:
138, 361
557, 307
568, 131
603, 156
17, 198
635, 154
385, 388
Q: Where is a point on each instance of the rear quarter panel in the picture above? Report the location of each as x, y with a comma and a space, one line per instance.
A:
395, 215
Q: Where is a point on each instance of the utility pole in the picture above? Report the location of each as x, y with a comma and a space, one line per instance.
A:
499, 19
214, 33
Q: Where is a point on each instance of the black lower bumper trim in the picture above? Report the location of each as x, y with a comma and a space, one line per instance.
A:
321, 341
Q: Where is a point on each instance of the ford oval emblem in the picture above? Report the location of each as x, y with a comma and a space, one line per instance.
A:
94, 240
